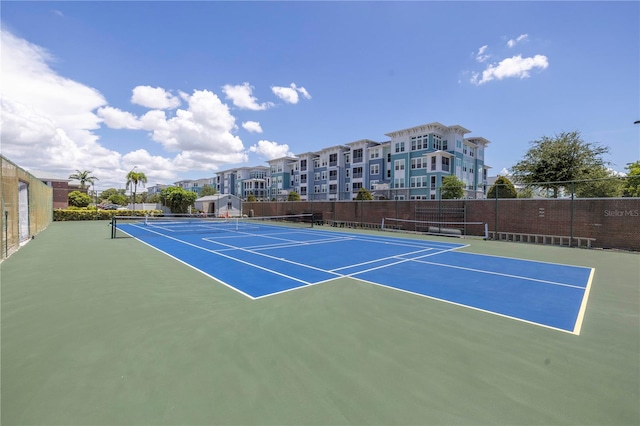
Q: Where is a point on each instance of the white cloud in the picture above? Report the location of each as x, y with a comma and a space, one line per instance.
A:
117, 119
252, 126
47, 120
517, 40
271, 150
49, 124
154, 97
242, 97
481, 56
514, 67
290, 94
204, 131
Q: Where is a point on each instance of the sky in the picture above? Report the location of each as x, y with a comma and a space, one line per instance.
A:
182, 90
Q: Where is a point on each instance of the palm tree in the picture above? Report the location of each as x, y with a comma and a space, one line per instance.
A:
135, 178
83, 177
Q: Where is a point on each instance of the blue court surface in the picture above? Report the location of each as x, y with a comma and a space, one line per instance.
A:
266, 261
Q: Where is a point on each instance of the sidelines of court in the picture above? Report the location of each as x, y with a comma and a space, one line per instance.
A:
382, 263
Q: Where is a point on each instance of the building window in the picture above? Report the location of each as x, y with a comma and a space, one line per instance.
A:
374, 169
445, 164
418, 163
433, 182
316, 176
433, 163
333, 159
374, 153
357, 172
417, 143
398, 182
324, 175
437, 142
316, 163
333, 175
399, 147
357, 186
357, 155
398, 165
303, 165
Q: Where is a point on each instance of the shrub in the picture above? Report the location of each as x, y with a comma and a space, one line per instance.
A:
62, 215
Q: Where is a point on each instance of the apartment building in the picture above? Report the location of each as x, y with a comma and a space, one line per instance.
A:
423, 155
196, 185
410, 165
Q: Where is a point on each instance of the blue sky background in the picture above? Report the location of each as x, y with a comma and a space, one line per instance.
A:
169, 87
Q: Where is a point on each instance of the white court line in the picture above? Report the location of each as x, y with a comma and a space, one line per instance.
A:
275, 258
525, 260
465, 306
226, 256
482, 271
283, 245
401, 261
395, 256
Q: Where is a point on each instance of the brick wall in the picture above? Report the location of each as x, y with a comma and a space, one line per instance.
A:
613, 222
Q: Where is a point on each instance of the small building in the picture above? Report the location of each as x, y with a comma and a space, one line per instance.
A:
220, 205
61, 188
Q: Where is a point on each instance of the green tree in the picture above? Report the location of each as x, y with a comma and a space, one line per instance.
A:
451, 188
104, 195
79, 199
603, 183
134, 179
364, 194
526, 192
251, 198
502, 188
208, 190
178, 199
631, 187
154, 198
293, 196
84, 178
552, 162
118, 198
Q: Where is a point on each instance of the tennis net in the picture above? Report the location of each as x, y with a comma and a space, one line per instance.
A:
455, 229
121, 226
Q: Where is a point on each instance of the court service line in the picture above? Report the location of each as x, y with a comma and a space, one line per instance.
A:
482, 271
292, 243
405, 242
401, 261
229, 257
395, 256
280, 259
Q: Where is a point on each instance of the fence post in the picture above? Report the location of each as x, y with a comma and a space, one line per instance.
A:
495, 215
573, 188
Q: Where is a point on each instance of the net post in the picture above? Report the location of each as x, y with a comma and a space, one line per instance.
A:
486, 231
113, 227
382, 224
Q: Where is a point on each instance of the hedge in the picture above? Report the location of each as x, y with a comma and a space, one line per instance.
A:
61, 215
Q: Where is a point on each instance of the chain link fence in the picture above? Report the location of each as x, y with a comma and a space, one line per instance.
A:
597, 213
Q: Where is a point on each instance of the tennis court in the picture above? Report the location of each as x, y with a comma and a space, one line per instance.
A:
261, 257
101, 331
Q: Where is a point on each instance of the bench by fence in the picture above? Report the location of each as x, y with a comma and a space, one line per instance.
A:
560, 240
